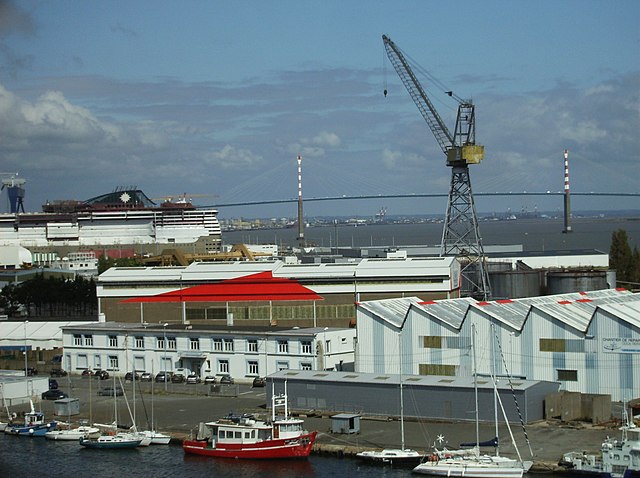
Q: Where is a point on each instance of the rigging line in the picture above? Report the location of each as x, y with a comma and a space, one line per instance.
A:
513, 392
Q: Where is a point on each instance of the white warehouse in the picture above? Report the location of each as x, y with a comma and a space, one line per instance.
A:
206, 350
588, 342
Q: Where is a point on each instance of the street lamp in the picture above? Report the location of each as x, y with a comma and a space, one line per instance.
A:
165, 355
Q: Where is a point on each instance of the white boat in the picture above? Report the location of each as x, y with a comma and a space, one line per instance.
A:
395, 456
470, 463
73, 434
156, 437
617, 459
123, 218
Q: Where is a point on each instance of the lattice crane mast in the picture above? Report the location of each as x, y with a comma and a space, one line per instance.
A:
461, 234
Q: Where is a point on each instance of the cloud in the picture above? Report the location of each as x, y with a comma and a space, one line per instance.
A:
14, 19
230, 157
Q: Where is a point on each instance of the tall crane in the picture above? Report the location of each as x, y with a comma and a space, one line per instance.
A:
461, 233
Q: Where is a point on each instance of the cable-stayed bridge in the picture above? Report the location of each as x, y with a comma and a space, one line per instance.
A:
418, 195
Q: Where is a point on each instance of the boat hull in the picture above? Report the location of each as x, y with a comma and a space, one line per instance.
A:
109, 443
468, 470
398, 458
298, 447
31, 431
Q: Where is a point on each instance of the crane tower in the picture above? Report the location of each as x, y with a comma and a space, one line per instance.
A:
461, 233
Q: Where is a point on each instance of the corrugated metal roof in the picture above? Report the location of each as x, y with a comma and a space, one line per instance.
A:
512, 313
449, 311
628, 311
578, 313
393, 311
407, 380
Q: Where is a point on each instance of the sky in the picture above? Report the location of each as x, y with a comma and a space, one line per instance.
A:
216, 99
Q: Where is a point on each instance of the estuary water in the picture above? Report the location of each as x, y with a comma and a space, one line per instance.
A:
24, 456
532, 234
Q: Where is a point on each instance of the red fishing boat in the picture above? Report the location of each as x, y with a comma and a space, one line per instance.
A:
247, 437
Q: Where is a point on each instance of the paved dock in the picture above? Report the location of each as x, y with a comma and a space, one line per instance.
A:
181, 407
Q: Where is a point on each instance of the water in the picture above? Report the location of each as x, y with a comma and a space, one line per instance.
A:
532, 234
22, 456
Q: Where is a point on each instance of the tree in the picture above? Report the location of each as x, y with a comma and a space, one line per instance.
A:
620, 255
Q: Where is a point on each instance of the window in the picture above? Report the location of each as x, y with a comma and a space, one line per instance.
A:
283, 346
228, 345
223, 366
217, 345
113, 362
552, 345
139, 343
113, 341
77, 339
432, 342
252, 345
194, 344
305, 365
327, 346
88, 340
252, 367
281, 365
171, 343
160, 342
306, 347
567, 375
82, 361
436, 369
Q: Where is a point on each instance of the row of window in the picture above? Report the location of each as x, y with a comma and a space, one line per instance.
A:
219, 345
253, 367
545, 345
450, 371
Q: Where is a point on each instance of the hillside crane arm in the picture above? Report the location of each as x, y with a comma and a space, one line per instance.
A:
458, 147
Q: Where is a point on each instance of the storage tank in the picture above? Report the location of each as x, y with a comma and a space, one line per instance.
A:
563, 282
514, 284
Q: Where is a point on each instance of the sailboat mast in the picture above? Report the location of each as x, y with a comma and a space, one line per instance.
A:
401, 398
495, 386
475, 386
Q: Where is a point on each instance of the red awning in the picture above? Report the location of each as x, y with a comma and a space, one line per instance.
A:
255, 287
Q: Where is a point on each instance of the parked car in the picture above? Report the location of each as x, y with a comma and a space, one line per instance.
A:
210, 379
226, 379
101, 374
53, 395
163, 376
58, 372
177, 378
193, 378
129, 376
87, 372
53, 384
146, 377
259, 382
111, 391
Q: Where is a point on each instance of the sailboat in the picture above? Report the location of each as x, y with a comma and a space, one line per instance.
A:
10, 417
395, 456
115, 440
73, 434
156, 437
470, 463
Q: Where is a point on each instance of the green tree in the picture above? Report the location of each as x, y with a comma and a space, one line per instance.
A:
620, 255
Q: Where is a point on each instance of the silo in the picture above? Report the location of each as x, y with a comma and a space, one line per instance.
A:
514, 284
563, 282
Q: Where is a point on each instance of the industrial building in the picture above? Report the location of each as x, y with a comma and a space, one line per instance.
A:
433, 397
338, 286
588, 342
205, 350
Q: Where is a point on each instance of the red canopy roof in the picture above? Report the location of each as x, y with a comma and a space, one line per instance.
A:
255, 287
